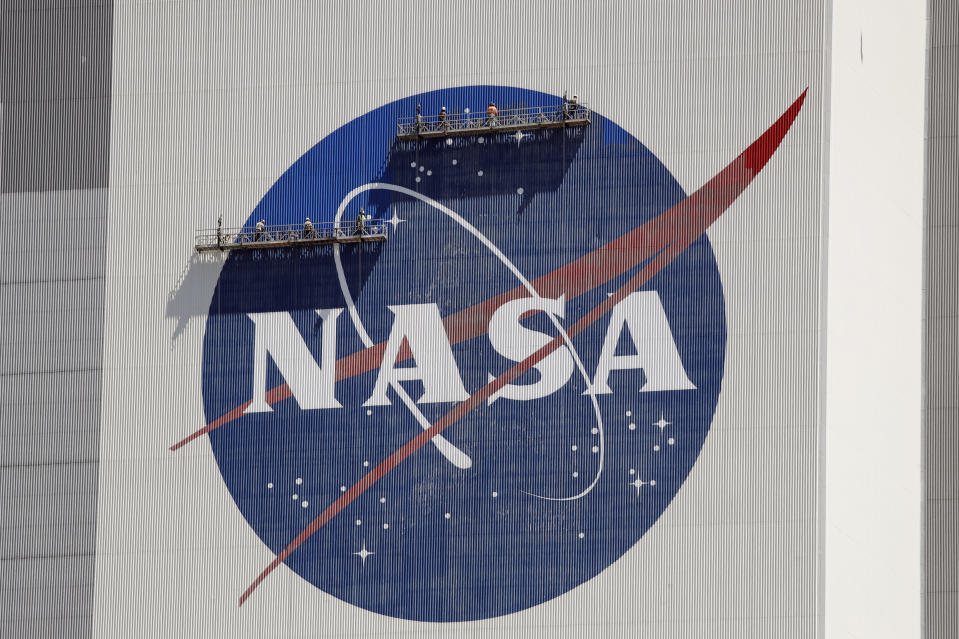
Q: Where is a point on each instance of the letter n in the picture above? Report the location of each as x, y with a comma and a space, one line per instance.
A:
276, 335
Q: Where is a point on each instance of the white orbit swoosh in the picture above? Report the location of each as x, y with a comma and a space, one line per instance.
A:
453, 454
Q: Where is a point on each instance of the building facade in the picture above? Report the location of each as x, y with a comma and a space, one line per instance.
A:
588, 367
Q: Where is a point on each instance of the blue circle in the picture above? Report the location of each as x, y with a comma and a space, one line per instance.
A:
430, 541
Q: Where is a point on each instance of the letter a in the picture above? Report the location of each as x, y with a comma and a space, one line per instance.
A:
656, 351
311, 384
420, 326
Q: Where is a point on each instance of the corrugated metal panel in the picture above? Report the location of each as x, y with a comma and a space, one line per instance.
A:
941, 347
56, 74
56, 95
51, 302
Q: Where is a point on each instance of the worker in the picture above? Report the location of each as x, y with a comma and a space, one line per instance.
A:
219, 231
258, 230
573, 105
419, 118
308, 230
442, 119
491, 112
361, 222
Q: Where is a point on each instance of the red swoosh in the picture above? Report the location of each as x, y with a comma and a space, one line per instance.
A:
662, 238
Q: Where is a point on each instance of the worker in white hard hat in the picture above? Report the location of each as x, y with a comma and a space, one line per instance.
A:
573, 105
442, 119
258, 230
361, 222
308, 230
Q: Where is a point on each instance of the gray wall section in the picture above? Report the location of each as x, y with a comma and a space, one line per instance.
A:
51, 309
56, 72
942, 325
56, 94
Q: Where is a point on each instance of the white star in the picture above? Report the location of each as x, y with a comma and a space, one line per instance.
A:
364, 553
519, 135
639, 483
395, 220
662, 423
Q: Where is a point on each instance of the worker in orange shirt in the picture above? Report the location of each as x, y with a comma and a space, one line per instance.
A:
491, 112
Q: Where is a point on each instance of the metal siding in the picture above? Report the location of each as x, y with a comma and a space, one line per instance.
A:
51, 302
941, 405
42, 399
56, 110
47, 596
56, 95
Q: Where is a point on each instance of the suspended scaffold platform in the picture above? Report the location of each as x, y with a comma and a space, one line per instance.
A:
245, 238
441, 125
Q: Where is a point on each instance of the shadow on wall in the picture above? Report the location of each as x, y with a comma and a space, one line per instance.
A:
250, 281
487, 167
190, 295
481, 166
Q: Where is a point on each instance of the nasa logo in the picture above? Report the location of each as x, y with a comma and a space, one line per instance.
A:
491, 407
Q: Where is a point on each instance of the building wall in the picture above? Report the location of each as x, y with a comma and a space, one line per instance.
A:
107, 531
873, 461
940, 402
56, 69
212, 103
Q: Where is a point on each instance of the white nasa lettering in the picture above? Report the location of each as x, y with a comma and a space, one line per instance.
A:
421, 326
311, 384
516, 342
656, 351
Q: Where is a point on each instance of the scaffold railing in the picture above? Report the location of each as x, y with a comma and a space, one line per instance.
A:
276, 236
505, 121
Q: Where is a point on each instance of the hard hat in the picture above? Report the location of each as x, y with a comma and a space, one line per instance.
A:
307, 219
575, 96
442, 108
